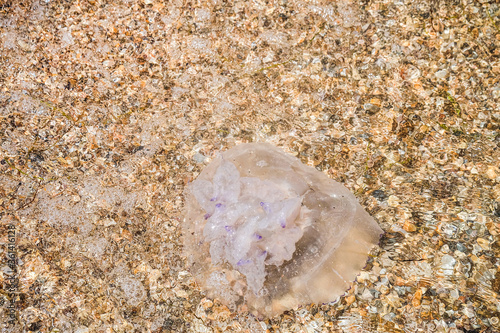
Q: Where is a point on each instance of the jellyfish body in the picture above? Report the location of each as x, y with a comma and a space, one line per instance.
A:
264, 230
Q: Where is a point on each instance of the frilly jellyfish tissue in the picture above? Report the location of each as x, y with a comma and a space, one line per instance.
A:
267, 233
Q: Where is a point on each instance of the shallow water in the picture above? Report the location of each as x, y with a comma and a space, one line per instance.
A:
108, 109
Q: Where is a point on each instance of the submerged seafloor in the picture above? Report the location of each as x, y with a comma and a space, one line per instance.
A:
109, 108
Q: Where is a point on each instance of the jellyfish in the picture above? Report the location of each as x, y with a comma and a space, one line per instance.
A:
262, 231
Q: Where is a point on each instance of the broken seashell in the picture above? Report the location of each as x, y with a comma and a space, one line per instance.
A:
264, 230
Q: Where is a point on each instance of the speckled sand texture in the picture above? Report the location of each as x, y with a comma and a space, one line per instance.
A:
108, 109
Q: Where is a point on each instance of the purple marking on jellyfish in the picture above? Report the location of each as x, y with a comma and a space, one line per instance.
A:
243, 262
263, 253
257, 236
213, 199
265, 206
228, 228
283, 223
219, 205
207, 216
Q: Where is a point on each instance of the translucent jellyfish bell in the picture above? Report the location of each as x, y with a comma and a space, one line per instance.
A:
265, 231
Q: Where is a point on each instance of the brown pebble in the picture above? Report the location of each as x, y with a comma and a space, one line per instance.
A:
417, 298
408, 226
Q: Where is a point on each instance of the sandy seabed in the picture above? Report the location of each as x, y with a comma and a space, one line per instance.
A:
109, 108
